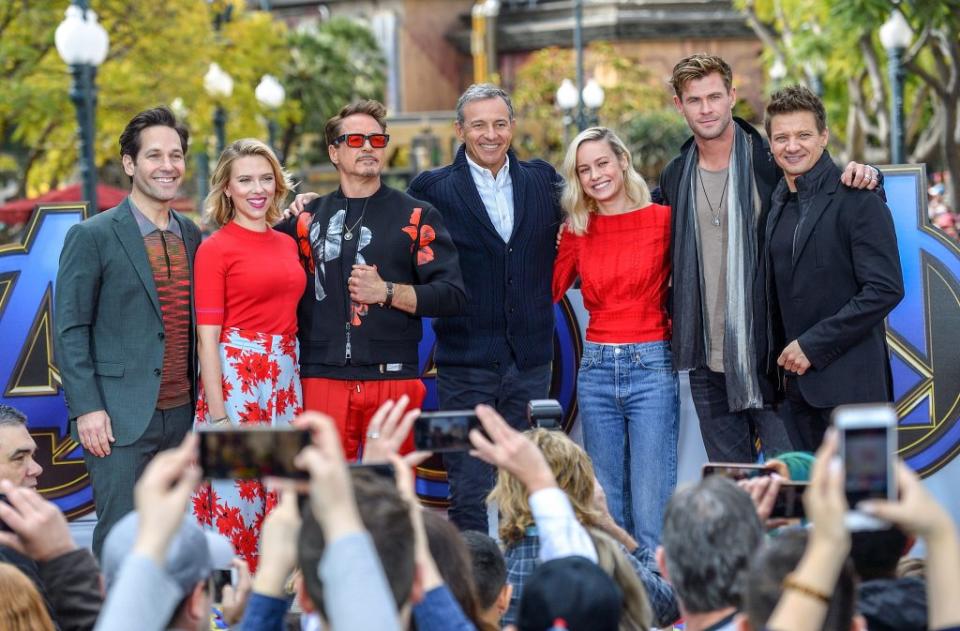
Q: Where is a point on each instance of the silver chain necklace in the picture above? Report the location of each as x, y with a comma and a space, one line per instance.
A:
715, 215
348, 232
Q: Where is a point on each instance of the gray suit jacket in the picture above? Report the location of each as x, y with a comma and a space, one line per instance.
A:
108, 323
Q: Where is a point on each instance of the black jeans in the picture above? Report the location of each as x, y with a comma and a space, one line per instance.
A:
507, 391
729, 436
810, 422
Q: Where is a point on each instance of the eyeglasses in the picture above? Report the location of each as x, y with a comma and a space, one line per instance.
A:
355, 141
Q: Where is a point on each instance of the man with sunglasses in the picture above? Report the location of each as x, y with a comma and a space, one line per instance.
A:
377, 261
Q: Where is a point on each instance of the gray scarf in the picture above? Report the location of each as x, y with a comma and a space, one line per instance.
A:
690, 332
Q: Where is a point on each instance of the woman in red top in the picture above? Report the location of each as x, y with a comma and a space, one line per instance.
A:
248, 282
617, 242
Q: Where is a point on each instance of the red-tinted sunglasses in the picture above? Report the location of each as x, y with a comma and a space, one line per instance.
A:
355, 141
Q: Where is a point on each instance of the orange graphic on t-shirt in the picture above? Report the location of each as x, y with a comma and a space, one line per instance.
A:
427, 235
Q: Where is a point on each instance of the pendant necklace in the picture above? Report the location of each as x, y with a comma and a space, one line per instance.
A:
348, 232
714, 214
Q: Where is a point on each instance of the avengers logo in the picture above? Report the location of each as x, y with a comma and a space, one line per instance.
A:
29, 378
567, 348
923, 332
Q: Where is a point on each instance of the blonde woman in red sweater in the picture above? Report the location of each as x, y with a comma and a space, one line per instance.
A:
618, 242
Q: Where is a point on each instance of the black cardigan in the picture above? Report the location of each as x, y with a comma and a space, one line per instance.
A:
383, 335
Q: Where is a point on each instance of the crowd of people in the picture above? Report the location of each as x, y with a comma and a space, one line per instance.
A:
756, 264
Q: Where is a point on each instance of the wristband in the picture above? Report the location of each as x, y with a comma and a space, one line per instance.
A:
220, 420
790, 582
389, 299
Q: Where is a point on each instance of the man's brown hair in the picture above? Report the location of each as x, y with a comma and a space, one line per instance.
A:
374, 109
795, 98
698, 66
386, 516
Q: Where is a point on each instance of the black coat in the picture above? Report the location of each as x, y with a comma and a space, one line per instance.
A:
845, 279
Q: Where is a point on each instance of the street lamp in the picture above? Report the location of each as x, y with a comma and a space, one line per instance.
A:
270, 94
896, 36
778, 72
593, 100
218, 85
83, 44
567, 99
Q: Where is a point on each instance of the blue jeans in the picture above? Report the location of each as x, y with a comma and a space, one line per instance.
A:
629, 398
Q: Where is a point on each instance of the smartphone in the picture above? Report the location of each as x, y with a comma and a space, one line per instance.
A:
218, 580
251, 453
444, 431
789, 502
868, 445
545, 413
735, 470
382, 469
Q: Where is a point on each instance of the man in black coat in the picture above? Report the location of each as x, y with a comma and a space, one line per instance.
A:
833, 273
719, 188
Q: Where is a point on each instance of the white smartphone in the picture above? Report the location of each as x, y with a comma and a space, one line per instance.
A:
868, 448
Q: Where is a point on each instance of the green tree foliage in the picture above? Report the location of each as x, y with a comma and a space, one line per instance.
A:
158, 51
654, 137
835, 43
330, 65
627, 86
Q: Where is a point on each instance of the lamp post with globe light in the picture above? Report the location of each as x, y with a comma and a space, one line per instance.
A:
270, 94
592, 96
567, 100
896, 36
82, 44
218, 85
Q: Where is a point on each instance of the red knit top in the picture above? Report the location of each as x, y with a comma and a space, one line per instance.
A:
624, 266
249, 280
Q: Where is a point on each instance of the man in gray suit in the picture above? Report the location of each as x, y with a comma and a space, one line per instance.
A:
124, 320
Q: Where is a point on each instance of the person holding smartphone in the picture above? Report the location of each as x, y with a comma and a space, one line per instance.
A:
832, 273
618, 243
248, 283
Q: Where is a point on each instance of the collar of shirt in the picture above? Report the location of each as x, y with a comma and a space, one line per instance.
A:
501, 178
148, 227
496, 193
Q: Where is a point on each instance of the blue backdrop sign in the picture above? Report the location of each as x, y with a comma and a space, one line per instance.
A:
29, 377
924, 330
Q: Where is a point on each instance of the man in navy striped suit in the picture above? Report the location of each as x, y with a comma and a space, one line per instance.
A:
503, 215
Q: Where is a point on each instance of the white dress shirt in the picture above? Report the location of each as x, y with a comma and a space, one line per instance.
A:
497, 195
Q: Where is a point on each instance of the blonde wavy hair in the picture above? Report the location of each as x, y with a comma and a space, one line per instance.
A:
637, 613
574, 472
23, 608
575, 201
218, 207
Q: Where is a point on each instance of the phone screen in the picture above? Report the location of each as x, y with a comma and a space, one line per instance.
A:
736, 471
444, 431
865, 457
789, 502
250, 454
218, 580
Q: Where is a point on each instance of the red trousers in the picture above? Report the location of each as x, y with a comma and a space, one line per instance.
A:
352, 404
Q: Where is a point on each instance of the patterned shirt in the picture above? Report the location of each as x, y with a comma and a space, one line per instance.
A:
167, 255
523, 558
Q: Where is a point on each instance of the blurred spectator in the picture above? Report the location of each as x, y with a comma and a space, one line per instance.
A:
941, 215
710, 531
489, 575
570, 593
521, 537
764, 585
37, 538
453, 560
21, 608
887, 602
